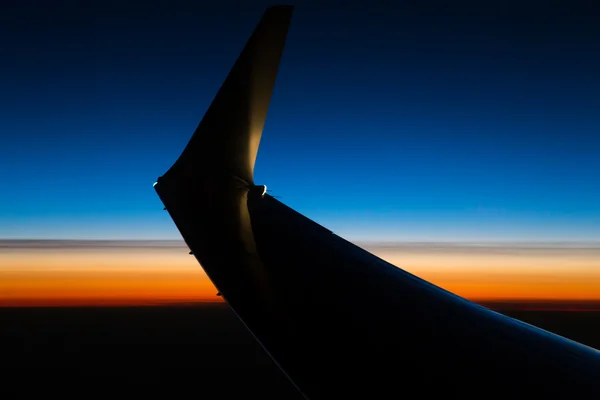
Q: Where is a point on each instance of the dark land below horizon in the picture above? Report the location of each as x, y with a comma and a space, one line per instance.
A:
181, 351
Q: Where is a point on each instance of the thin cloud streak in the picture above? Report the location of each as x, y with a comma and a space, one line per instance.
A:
89, 244
476, 247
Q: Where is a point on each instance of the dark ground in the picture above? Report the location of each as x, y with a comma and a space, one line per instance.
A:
199, 351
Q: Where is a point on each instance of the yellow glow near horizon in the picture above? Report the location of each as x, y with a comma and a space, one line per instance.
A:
506, 276
102, 276
139, 276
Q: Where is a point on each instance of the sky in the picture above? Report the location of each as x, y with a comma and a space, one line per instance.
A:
146, 272
418, 122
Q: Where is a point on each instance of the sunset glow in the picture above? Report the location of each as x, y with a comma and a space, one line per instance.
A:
505, 273
108, 276
132, 273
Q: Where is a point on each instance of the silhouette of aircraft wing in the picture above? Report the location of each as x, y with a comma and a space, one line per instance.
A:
338, 320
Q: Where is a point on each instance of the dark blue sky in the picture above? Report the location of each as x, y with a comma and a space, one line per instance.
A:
413, 122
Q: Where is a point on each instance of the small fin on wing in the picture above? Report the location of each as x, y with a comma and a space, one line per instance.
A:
226, 141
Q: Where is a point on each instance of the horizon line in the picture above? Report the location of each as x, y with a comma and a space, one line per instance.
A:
563, 305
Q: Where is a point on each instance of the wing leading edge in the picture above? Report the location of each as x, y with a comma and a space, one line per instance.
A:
337, 319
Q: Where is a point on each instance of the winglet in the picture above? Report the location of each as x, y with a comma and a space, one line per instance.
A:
226, 141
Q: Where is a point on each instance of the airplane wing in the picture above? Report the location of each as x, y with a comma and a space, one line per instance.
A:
338, 320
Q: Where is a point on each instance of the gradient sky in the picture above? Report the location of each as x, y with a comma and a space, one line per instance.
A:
387, 122
431, 122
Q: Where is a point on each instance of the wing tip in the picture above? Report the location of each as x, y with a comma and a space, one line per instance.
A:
225, 145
